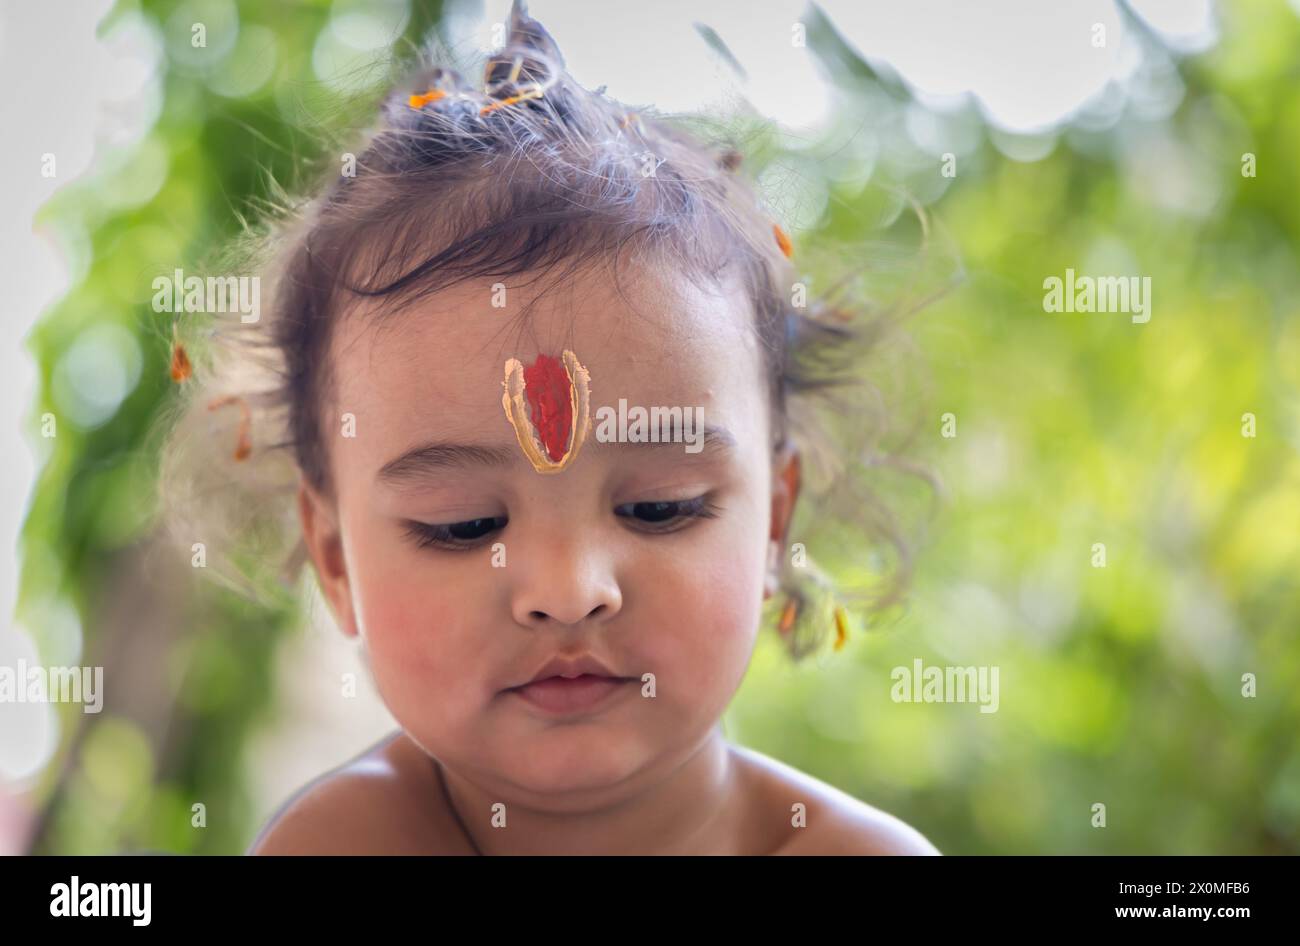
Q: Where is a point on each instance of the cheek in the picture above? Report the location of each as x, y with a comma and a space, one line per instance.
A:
414, 615
707, 600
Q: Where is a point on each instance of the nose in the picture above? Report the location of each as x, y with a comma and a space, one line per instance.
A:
563, 582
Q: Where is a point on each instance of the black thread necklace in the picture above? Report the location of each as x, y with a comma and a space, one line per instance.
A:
437, 767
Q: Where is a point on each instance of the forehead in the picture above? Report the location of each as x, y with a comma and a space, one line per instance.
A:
434, 368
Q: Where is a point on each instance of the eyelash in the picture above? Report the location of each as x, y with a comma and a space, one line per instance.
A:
430, 535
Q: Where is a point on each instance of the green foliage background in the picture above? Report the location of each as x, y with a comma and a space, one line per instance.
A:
1120, 685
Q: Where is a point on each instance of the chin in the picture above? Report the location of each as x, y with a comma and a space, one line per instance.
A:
570, 759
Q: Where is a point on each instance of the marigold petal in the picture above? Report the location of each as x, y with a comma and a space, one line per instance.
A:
424, 98
783, 241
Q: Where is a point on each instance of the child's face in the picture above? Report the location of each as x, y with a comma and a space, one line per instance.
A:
581, 567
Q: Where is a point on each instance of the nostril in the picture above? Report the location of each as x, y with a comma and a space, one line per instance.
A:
542, 615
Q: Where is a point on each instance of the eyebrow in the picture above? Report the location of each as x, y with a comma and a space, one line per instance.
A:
430, 459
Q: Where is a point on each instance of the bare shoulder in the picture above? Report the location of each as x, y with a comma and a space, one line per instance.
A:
835, 823
376, 803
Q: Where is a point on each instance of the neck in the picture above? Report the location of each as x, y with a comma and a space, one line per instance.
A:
691, 807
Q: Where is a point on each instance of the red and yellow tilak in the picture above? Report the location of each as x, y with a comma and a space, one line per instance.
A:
547, 403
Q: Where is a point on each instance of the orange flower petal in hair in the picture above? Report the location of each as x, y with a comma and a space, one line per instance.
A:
244, 443
787, 616
783, 241
424, 98
547, 405
533, 93
841, 628
181, 367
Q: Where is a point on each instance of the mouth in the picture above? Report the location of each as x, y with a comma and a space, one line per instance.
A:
565, 695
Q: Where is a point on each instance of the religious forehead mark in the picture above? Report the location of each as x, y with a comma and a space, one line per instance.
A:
547, 403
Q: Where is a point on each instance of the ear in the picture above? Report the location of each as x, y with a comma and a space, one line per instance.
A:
785, 493
324, 542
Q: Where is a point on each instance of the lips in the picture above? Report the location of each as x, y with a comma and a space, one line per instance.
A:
547, 404
571, 694
571, 685
571, 667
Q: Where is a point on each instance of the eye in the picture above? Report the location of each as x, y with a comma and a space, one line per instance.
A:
663, 516
456, 536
